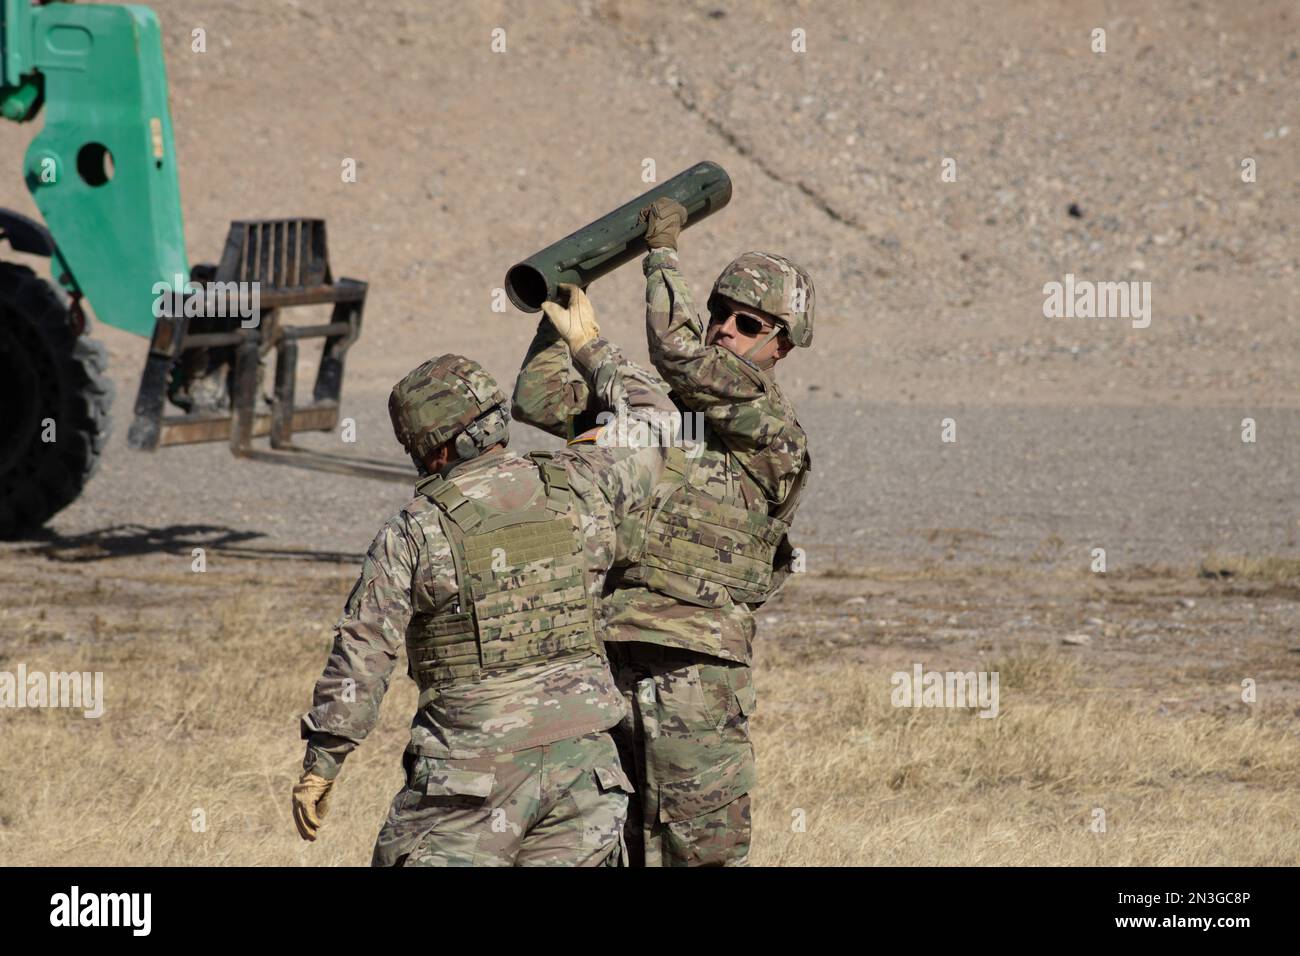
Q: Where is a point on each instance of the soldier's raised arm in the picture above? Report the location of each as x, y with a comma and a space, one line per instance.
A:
549, 392
620, 386
739, 401
610, 383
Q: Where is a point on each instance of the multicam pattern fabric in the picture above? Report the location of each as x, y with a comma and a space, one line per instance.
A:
683, 662
440, 398
553, 395
754, 454
561, 804
742, 405
685, 744
774, 284
702, 550
522, 586
409, 570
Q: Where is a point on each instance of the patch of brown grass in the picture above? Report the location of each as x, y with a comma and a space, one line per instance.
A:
200, 727
1271, 569
875, 784
205, 682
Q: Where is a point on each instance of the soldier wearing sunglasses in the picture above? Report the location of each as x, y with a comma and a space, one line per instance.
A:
678, 624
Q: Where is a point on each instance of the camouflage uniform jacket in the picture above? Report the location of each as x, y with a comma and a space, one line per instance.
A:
755, 453
553, 395
409, 569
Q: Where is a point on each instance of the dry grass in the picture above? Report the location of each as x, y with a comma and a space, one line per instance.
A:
1269, 568
202, 710
901, 786
201, 719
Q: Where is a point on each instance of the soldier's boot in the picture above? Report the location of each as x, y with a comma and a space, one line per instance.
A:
692, 759
562, 804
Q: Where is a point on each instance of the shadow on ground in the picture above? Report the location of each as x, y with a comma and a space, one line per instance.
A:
134, 540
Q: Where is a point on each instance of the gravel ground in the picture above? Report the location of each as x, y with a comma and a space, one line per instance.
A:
1043, 484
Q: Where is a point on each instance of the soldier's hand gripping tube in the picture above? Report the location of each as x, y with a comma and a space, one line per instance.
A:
615, 238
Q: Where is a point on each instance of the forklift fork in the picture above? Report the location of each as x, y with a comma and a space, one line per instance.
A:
289, 262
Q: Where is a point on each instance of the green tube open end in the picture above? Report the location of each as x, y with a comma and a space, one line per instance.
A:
526, 287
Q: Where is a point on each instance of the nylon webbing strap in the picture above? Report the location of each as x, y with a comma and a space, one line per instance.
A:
776, 329
556, 479
546, 591
521, 587
523, 543
729, 545
453, 503
675, 461
464, 597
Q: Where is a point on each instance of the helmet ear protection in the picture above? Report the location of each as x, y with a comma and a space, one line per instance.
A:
466, 447
715, 308
485, 431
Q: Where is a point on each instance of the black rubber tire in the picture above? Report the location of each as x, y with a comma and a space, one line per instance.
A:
47, 371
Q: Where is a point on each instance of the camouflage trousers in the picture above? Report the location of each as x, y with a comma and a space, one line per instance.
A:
562, 804
685, 744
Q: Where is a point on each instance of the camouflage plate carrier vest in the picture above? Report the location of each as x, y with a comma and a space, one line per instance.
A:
523, 585
701, 549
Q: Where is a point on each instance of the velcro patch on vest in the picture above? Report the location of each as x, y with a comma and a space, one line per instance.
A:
706, 541
522, 581
529, 591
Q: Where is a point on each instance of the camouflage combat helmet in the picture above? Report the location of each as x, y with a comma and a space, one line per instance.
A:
771, 283
448, 397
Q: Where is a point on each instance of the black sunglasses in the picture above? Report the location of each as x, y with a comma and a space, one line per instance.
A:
746, 324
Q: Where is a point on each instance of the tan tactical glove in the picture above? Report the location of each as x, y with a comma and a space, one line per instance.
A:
665, 218
311, 801
576, 324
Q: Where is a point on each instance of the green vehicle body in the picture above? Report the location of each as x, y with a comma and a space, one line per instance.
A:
96, 74
102, 170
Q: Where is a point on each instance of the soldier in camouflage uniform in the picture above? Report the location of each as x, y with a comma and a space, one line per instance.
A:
679, 622
490, 576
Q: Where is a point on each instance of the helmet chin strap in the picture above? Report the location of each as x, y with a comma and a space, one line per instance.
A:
759, 345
